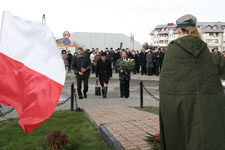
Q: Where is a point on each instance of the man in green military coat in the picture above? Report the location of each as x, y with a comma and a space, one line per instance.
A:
192, 101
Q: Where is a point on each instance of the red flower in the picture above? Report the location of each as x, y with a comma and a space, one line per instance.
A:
157, 136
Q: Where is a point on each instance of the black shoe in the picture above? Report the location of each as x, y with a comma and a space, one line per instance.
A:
80, 97
126, 96
105, 92
85, 95
121, 96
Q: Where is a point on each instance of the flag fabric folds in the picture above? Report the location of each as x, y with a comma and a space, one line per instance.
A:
32, 71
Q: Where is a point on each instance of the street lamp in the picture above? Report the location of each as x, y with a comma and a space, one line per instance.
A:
43, 19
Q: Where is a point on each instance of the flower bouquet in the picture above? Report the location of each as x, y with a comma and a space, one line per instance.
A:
127, 65
154, 140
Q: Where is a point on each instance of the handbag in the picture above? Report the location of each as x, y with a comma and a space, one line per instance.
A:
97, 89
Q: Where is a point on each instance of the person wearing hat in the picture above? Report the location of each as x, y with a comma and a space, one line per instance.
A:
192, 100
104, 73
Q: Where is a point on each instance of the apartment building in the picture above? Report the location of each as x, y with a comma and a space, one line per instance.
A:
212, 33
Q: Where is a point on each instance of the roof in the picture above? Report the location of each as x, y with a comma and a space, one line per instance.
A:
203, 26
212, 30
163, 32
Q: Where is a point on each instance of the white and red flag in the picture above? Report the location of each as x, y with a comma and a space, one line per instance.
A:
32, 71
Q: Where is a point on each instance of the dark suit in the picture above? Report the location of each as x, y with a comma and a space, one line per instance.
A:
79, 62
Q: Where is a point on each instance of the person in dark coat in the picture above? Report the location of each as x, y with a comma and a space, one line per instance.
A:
161, 54
192, 100
81, 65
124, 76
216, 57
134, 56
138, 62
149, 63
104, 73
143, 62
157, 62
129, 54
70, 57
116, 56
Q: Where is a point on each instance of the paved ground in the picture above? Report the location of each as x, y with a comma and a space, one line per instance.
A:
128, 126
113, 95
113, 92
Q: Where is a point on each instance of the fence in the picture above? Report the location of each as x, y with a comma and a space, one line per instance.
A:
147, 91
72, 98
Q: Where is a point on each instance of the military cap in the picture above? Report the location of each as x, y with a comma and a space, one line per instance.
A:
186, 21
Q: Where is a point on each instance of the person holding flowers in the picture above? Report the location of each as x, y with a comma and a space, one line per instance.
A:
125, 66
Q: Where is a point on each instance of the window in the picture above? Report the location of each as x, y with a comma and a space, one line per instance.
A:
215, 41
208, 27
215, 27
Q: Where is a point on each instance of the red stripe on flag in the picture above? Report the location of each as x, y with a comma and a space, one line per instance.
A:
33, 95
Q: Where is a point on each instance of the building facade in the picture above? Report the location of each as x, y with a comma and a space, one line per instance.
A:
212, 33
91, 40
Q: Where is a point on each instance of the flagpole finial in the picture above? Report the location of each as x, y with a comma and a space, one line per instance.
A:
43, 19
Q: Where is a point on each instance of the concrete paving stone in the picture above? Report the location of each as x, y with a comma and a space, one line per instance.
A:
138, 142
128, 145
128, 135
127, 125
141, 134
122, 140
131, 148
131, 138
145, 146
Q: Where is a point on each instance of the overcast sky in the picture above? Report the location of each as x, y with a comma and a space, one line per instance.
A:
113, 16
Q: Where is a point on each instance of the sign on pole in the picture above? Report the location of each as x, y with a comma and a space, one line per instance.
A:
66, 40
66, 34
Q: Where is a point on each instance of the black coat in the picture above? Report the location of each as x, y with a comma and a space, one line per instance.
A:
143, 59
129, 55
70, 57
116, 57
79, 62
104, 68
156, 58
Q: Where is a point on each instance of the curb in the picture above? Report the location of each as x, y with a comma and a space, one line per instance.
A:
106, 135
109, 138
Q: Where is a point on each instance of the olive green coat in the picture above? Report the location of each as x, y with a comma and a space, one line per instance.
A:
192, 101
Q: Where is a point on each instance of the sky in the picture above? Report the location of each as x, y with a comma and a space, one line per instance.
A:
113, 16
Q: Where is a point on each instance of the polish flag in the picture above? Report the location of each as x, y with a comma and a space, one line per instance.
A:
32, 71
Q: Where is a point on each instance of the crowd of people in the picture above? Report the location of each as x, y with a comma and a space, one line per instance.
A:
103, 63
147, 62
218, 59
